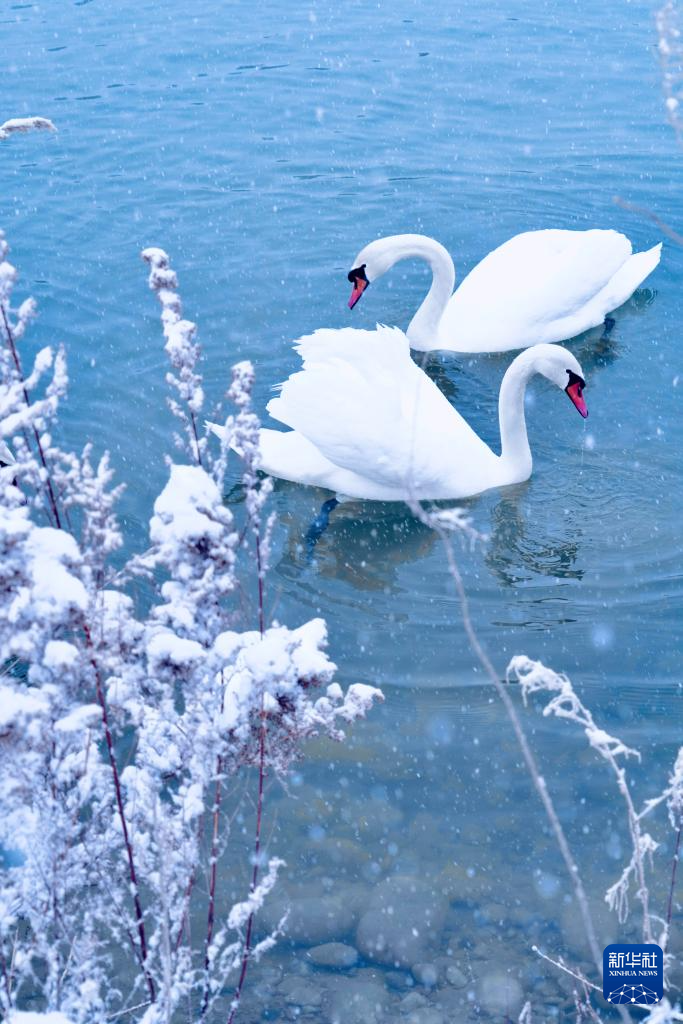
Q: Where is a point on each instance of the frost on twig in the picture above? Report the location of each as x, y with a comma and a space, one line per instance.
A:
670, 49
277, 675
241, 912
104, 856
561, 966
181, 348
663, 1013
25, 124
617, 894
446, 521
534, 677
24, 419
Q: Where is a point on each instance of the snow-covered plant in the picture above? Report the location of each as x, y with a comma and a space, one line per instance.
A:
663, 1013
122, 726
670, 47
564, 703
25, 124
534, 677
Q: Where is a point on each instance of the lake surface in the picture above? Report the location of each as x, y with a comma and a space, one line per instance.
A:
262, 145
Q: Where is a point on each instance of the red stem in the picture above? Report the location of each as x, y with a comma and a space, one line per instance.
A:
197, 453
674, 866
261, 619
17, 363
122, 817
259, 808
254, 877
212, 887
98, 685
188, 893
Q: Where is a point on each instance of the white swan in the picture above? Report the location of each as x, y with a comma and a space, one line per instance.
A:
367, 422
540, 286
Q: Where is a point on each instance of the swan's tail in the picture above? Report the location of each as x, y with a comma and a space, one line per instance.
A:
219, 430
287, 455
629, 277
216, 428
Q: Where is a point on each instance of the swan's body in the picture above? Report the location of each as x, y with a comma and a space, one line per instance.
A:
538, 287
368, 423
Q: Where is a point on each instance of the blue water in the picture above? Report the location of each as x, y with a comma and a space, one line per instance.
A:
263, 145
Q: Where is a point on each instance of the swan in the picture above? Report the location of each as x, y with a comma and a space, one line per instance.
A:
538, 287
368, 423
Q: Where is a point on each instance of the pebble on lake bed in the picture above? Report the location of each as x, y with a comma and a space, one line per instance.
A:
455, 977
333, 954
498, 992
426, 974
426, 1015
312, 920
403, 922
300, 992
355, 1001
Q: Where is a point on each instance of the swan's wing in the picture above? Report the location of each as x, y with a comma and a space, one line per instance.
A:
530, 281
363, 403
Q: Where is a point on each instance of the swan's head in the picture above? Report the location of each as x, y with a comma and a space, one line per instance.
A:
371, 262
560, 367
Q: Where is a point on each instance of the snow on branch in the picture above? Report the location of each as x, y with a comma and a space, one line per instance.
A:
25, 124
181, 348
105, 862
670, 48
241, 912
277, 675
663, 1013
445, 521
534, 677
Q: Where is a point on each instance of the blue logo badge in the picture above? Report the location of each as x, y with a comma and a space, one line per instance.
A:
633, 973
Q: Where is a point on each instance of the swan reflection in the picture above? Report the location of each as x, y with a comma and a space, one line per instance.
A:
367, 543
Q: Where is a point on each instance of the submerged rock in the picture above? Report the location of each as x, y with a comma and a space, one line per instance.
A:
334, 954
427, 1015
300, 992
454, 1004
355, 1001
413, 1001
403, 922
498, 992
426, 974
456, 977
400, 981
312, 919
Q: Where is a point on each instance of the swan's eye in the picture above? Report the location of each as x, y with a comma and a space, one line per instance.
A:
358, 273
575, 379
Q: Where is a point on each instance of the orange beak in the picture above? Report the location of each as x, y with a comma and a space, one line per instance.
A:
575, 392
359, 286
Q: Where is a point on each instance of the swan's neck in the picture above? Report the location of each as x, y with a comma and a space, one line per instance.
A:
424, 326
515, 452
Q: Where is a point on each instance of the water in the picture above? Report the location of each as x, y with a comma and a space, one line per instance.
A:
263, 145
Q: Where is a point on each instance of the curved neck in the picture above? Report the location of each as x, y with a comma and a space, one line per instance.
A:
423, 329
514, 442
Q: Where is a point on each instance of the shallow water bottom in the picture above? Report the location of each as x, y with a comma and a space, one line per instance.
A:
421, 871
